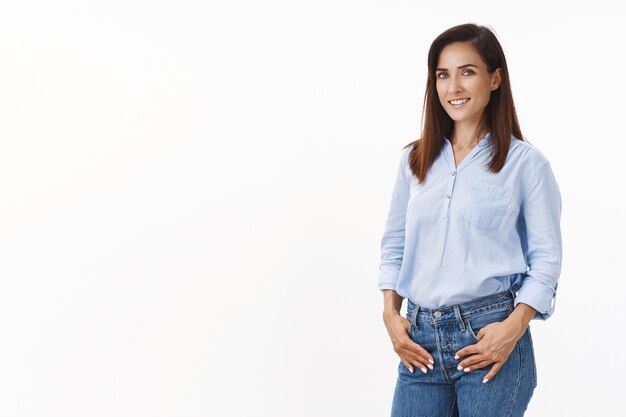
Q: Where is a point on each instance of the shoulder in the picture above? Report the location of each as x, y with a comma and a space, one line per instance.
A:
529, 154
534, 167
407, 150
405, 153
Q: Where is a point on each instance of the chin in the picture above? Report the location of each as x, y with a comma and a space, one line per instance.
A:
456, 118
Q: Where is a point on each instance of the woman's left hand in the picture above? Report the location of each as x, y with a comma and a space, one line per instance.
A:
497, 341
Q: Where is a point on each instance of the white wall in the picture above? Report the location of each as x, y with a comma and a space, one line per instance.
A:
192, 196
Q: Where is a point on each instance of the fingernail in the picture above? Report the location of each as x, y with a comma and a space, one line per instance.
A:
424, 370
466, 369
430, 360
430, 366
485, 380
456, 356
460, 368
410, 369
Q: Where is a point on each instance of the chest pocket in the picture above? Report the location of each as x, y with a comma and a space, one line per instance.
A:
486, 204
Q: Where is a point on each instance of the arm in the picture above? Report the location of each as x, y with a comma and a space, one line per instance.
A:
392, 303
541, 209
392, 241
541, 240
520, 318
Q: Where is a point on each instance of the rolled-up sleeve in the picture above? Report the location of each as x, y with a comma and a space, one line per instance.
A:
392, 241
541, 208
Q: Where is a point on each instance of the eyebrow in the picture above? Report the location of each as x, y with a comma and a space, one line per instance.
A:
459, 67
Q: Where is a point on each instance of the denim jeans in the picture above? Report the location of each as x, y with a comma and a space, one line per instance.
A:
445, 391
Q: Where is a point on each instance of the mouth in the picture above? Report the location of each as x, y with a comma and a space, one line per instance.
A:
459, 102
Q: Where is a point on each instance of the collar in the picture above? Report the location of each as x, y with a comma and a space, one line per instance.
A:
484, 141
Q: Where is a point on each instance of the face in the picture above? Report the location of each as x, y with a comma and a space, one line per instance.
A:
462, 74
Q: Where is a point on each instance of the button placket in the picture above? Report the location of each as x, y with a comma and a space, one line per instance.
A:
449, 194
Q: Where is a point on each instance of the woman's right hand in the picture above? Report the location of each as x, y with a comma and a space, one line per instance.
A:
410, 353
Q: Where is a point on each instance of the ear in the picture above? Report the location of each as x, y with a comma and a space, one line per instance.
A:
496, 79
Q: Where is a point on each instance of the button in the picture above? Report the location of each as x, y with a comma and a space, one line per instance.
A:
448, 195
437, 314
453, 173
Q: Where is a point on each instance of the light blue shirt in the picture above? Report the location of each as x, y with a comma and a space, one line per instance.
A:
466, 232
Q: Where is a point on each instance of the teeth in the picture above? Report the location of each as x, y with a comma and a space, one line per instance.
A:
457, 102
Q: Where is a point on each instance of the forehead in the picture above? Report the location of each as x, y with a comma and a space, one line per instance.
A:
459, 53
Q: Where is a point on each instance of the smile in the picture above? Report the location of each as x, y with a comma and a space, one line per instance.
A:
459, 103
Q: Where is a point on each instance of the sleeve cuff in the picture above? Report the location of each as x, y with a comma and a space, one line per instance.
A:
386, 286
538, 297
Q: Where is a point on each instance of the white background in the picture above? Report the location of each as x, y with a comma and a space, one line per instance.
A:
193, 195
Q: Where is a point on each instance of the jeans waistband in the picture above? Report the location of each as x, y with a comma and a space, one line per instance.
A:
477, 305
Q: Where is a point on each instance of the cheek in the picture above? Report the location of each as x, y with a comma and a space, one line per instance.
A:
482, 90
441, 93
484, 98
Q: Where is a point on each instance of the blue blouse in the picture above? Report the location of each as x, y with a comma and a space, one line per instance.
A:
466, 232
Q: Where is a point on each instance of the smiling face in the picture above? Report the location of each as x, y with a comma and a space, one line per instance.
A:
462, 74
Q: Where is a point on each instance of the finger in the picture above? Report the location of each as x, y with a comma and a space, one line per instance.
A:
420, 365
476, 365
467, 350
493, 372
407, 364
417, 360
422, 353
414, 363
470, 362
407, 324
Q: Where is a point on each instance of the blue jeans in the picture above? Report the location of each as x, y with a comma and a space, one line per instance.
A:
447, 392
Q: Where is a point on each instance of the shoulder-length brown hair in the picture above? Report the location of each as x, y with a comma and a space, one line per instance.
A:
499, 116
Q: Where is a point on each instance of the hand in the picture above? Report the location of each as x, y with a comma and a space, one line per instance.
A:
497, 341
410, 353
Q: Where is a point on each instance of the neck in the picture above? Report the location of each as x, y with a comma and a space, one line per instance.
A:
466, 137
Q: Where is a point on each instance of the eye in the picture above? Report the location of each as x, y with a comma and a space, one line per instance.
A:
468, 71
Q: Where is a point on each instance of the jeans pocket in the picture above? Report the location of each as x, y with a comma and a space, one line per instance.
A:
414, 332
412, 328
487, 204
475, 322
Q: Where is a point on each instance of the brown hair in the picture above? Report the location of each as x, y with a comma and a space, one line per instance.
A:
499, 115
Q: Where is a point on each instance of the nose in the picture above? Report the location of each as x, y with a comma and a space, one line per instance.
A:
454, 86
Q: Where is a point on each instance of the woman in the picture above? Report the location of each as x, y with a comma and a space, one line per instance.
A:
472, 241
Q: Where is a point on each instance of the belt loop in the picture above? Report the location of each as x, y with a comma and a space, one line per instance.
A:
457, 313
512, 293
